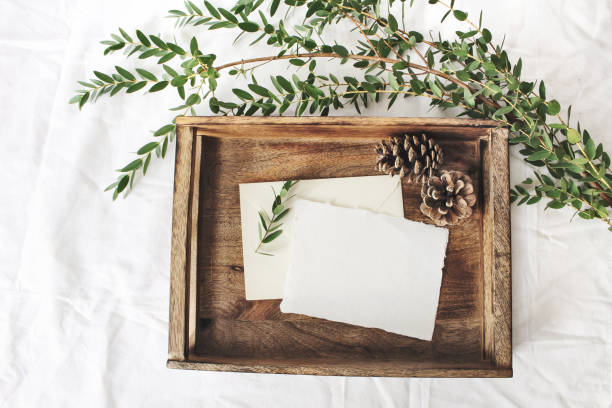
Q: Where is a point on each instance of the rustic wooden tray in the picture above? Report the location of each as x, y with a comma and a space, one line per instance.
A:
213, 327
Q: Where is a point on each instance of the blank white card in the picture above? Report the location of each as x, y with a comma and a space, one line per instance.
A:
367, 269
264, 276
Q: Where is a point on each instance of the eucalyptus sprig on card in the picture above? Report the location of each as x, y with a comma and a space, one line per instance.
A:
269, 227
467, 72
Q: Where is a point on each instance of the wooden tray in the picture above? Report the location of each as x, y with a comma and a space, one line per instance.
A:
213, 327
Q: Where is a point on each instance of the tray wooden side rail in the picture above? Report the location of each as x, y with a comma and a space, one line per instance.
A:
213, 327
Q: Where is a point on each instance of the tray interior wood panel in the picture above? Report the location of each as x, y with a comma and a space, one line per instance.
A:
221, 330
234, 327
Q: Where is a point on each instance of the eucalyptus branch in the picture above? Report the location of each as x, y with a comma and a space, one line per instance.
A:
269, 227
468, 72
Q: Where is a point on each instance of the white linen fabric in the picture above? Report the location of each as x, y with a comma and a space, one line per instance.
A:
84, 281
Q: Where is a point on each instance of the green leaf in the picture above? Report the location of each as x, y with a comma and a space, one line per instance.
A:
559, 126
104, 77
517, 68
503, 111
123, 182
285, 84
179, 81
288, 184
590, 149
534, 200
275, 227
312, 90
282, 214
468, 98
340, 50
445, 15
125, 35
84, 99
146, 164
553, 107
176, 49
392, 23
133, 165
430, 58
297, 62
111, 186
167, 57
125, 73
555, 204
76, 98
148, 53
272, 236
573, 136
249, 26
393, 81
228, 16
278, 209
435, 89
274, 7
242, 94
259, 90
146, 74
147, 148
137, 86
158, 41
538, 155
213, 11
158, 86
164, 147
263, 220
193, 99
463, 75
547, 141
164, 130
170, 71
212, 83
460, 15
193, 46
486, 34
143, 39
569, 166
543, 91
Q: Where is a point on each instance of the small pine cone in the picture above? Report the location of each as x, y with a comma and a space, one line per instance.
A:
415, 157
449, 198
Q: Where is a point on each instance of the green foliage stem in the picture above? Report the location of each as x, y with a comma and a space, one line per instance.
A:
467, 72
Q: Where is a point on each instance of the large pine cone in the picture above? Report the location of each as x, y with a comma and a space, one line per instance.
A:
414, 157
449, 198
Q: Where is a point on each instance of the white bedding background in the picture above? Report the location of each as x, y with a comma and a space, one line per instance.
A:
84, 281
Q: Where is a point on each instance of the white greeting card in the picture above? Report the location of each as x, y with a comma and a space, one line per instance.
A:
367, 269
264, 276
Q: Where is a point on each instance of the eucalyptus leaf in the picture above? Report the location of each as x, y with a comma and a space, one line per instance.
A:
147, 148
573, 136
272, 236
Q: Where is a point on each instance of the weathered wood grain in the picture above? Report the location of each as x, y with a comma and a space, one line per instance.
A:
192, 276
180, 244
346, 368
502, 279
467, 336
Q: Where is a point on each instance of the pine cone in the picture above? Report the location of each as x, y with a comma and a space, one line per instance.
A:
449, 198
411, 156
